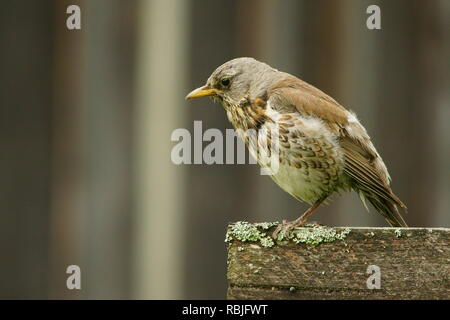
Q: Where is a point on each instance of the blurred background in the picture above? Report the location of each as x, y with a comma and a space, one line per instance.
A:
87, 115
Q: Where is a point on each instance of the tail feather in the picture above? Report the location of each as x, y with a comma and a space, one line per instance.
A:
387, 208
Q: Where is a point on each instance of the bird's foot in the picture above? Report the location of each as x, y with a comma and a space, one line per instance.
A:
285, 227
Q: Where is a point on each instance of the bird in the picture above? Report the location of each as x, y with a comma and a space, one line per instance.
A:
321, 148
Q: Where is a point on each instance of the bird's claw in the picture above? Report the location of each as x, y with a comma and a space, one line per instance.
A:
285, 228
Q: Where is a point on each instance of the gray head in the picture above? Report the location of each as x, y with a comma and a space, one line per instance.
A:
237, 80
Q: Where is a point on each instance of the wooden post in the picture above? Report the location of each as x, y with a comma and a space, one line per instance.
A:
338, 263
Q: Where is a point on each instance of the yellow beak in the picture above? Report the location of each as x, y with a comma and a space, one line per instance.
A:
204, 91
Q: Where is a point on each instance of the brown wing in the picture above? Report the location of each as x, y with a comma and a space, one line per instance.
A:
293, 93
370, 184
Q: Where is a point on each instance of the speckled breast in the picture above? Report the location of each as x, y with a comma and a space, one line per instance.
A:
299, 153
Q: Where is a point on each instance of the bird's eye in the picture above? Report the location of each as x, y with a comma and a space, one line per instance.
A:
225, 82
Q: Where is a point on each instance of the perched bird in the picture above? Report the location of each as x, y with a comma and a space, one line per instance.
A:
322, 148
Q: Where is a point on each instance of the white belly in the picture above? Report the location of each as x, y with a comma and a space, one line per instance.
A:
302, 186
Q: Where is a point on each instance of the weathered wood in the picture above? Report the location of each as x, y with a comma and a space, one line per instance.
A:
414, 263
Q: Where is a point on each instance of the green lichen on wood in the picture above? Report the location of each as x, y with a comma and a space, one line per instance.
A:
337, 270
310, 235
246, 232
267, 242
318, 234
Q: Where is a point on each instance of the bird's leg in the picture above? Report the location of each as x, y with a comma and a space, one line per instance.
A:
288, 226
